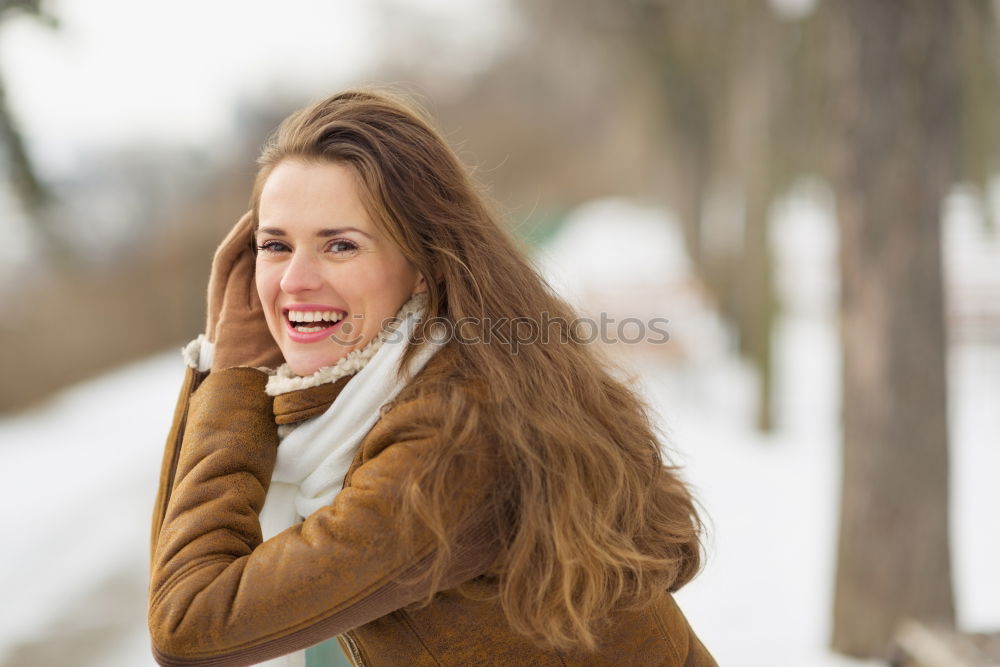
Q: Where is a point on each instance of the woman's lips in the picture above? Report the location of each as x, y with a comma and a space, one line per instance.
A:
312, 336
307, 315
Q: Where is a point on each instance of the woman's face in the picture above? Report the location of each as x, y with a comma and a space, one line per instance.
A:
326, 278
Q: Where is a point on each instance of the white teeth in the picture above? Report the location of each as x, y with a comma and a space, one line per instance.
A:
309, 329
314, 316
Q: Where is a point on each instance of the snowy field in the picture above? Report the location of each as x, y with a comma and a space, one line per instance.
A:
79, 474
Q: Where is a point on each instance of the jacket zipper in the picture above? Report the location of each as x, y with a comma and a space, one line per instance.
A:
355, 653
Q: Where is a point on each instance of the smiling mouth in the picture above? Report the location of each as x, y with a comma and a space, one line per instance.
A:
308, 321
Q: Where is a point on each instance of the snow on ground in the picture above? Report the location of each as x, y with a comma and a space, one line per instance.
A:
79, 474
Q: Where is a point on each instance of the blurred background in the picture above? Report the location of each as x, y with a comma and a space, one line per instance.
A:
808, 190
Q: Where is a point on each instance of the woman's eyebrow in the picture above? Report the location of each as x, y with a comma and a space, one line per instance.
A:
322, 233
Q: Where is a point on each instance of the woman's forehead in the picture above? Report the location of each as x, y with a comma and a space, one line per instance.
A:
318, 198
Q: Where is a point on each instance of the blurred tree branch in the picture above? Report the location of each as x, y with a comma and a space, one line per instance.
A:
31, 192
29, 189
32, 8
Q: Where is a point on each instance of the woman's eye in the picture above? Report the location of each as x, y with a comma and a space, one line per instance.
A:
342, 247
272, 246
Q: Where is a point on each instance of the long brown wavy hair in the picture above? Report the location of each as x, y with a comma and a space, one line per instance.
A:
590, 518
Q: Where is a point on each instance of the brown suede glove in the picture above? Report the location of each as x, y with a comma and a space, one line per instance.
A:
235, 316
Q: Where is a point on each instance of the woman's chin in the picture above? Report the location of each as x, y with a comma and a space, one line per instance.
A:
307, 364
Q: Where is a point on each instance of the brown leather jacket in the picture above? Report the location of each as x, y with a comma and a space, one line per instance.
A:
220, 595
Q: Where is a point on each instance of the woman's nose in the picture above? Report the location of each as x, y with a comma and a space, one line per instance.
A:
301, 275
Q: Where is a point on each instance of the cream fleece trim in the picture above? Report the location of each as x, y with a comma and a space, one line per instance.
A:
198, 354
192, 352
284, 380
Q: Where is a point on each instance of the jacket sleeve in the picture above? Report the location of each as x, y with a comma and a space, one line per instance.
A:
219, 595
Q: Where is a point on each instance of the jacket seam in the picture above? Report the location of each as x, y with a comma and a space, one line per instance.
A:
196, 378
301, 415
666, 635
405, 617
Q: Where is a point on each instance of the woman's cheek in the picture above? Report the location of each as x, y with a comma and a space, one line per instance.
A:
266, 284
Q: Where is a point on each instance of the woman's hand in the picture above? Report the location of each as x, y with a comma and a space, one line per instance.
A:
235, 317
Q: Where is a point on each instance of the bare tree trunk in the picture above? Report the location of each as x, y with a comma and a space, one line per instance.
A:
688, 197
751, 150
758, 303
894, 91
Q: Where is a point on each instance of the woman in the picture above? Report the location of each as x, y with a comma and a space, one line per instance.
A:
454, 485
